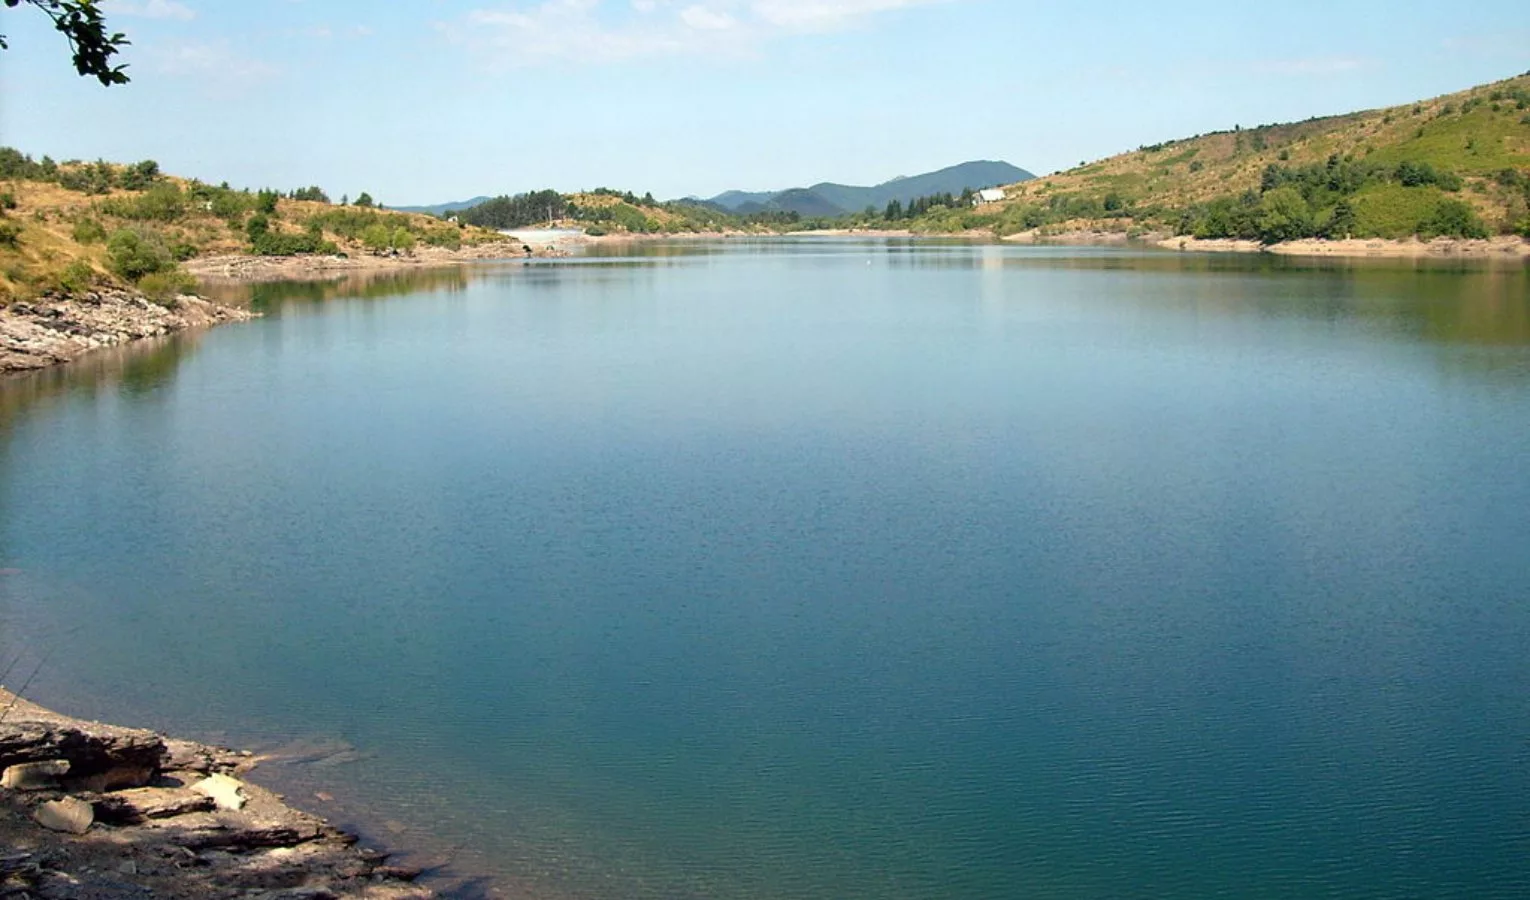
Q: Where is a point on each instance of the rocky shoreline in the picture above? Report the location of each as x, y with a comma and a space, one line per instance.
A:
240, 267
53, 329
91, 811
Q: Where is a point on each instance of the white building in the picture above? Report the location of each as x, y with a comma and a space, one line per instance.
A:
990, 195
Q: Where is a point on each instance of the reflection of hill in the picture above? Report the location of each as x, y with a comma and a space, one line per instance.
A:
1440, 301
133, 370
360, 285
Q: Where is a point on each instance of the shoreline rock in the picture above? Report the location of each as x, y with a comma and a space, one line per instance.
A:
242, 268
158, 834
51, 330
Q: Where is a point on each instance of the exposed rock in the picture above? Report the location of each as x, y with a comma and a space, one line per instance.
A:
224, 791
169, 841
132, 807
52, 330
121, 755
34, 776
69, 814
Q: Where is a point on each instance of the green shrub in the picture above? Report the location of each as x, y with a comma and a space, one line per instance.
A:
1284, 216
1453, 218
77, 277
88, 178
376, 237
1393, 211
89, 231
10, 233
279, 243
139, 176
133, 253
164, 202
163, 287
7, 200
450, 238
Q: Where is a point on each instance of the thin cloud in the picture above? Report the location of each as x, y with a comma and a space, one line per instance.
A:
1324, 65
614, 31
216, 64
150, 9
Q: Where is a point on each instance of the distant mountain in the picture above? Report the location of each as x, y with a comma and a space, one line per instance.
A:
830, 199
440, 208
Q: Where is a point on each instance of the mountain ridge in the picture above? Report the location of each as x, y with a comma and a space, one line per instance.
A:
828, 198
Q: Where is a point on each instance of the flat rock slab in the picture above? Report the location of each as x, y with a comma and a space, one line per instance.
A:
34, 776
70, 815
138, 805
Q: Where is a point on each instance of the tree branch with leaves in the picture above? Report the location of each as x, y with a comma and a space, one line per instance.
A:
81, 24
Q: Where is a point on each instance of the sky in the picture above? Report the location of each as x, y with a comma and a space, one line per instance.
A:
437, 100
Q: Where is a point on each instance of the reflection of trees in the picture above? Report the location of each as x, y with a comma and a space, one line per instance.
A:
268, 295
1445, 301
137, 368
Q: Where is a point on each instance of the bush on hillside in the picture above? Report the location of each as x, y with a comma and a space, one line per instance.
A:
163, 287
164, 202
10, 233
88, 178
133, 253
88, 231
1452, 218
139, 176
77, 277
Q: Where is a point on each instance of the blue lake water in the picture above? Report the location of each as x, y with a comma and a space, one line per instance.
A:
828, 569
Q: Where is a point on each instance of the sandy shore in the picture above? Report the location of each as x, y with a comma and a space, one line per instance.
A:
1439, 248
91, 811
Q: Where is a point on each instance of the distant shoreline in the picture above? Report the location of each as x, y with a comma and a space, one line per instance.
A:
1505, 247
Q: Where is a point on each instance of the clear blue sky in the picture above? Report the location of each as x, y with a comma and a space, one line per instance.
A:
438, 100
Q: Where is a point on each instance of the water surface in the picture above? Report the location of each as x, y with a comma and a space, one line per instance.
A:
823, 569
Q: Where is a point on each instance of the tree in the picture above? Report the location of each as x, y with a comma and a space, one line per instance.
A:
364, 199
1285, 216
80, 22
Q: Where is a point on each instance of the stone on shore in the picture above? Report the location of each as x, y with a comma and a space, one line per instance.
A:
55, 329
69, 814
226, 792
34, 776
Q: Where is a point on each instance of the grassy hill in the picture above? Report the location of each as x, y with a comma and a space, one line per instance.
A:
1455, 165
68, 226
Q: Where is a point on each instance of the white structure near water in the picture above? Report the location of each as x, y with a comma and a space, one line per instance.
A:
990, 195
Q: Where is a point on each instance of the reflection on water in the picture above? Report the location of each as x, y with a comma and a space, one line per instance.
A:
811, 569
374, 285
138, 368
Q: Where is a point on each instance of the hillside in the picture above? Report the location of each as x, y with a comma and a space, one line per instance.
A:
1457, 165
71, 226
828, 199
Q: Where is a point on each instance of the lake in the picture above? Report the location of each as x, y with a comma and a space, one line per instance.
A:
811, 569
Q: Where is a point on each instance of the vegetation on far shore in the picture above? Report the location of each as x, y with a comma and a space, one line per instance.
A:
1455, 166
70, 226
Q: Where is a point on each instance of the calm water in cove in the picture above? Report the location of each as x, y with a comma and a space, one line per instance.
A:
829, 569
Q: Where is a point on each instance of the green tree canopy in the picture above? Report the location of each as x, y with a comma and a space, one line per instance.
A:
81, 24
